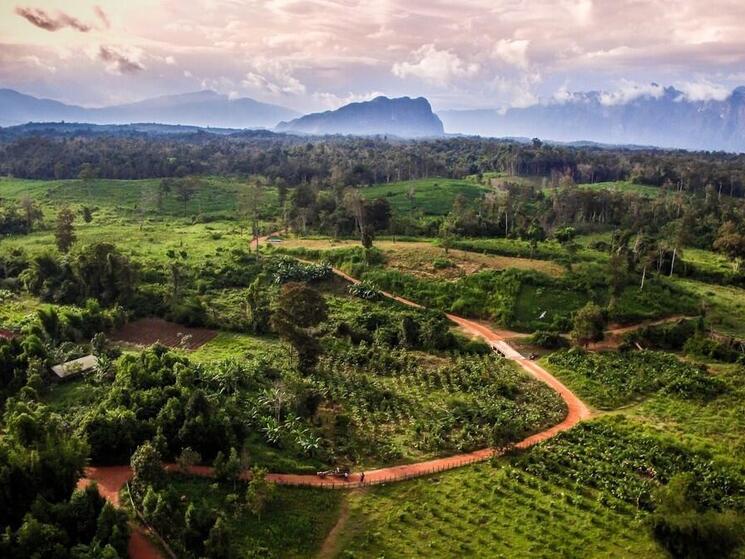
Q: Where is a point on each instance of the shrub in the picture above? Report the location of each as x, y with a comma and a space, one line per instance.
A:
688, 533
548, 340
365, 290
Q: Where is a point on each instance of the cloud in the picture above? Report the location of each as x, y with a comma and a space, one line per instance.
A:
273, 76
440, 67
629, 91
333, 101
118, 62
512, 51
43, 20
703, 91
102, 16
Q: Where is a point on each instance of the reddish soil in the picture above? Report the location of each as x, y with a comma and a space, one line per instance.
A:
6, 334
148, 331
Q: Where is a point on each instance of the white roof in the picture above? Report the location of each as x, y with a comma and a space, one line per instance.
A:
76, 366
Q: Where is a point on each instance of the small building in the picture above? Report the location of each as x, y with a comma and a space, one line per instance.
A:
274, 239
75, 367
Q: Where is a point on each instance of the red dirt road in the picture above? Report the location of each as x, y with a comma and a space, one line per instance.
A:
111, 479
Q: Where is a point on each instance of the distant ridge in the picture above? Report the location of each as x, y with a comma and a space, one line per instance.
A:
403, 116
201, 108
668, 119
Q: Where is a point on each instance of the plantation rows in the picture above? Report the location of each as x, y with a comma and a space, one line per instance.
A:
486, 512
615, 457
609, 379
469, 403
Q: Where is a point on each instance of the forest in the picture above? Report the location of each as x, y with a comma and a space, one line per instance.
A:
206, 276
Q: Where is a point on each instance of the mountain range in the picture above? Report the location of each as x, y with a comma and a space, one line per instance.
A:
668, 119
201, 108
404, 117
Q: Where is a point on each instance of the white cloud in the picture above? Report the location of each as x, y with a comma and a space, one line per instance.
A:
170, 60
439, 67
629, 91
274, 77
334, 101
703, 91
512, 51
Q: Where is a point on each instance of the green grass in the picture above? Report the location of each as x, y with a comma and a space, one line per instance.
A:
432, 196
718, 424
483, 511
151, 242
79, 393
623, 186
234, 345
725, 306
293, 526
610, 379
16, 309
216, 195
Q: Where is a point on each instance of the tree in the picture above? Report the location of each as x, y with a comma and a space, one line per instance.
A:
689, 533
731, 241
447, 232
535, 234
187, 459
185, 189
147, 469
31, 212
249, 206
64, 232
565, 236
588, 325
297, 310
87, 214
228, 468
217, 545
259, 492
354, 202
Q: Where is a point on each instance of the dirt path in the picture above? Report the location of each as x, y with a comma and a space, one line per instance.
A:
111, 479
331, 543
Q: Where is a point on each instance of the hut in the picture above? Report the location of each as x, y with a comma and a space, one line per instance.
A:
75, 367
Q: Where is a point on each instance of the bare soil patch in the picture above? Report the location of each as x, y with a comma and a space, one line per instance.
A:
148, 331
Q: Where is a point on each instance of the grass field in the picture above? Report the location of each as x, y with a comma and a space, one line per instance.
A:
718, 425
424, 258
214, 195
431, 196
623, 186
725, 305
485, 511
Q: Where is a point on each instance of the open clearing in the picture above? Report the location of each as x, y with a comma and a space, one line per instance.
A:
425, 259
148, 331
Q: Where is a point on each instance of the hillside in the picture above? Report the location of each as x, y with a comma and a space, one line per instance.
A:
403, 116
667, 120
202, 108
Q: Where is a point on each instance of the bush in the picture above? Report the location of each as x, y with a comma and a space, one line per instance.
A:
688, 533
365, 290
548, 340
442, 263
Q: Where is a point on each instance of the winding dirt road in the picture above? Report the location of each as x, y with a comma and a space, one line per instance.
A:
111, 479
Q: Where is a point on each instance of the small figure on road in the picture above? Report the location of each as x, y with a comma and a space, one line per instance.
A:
362, 477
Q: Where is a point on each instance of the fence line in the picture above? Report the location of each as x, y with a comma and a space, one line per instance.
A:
312, 482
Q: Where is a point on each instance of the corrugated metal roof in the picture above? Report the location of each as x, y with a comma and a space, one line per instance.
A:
76, 366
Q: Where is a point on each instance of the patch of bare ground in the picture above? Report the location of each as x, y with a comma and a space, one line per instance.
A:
147, 331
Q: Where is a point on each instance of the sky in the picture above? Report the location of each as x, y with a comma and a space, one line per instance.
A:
320, 54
